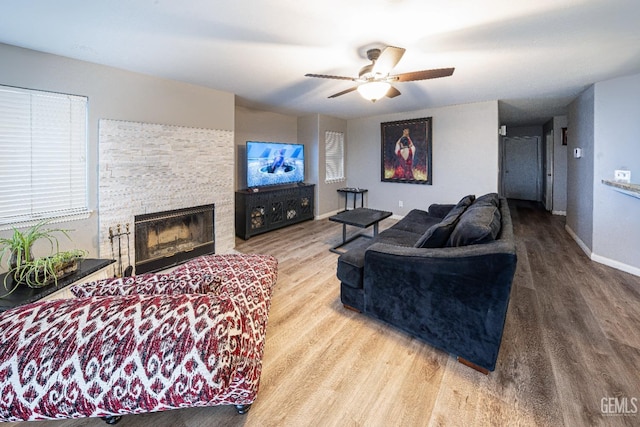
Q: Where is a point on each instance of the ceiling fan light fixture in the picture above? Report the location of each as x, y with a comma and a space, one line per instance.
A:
373, 91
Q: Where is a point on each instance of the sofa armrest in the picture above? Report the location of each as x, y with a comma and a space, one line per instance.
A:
440, 210
454, 298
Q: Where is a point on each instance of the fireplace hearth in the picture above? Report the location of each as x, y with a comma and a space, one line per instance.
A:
164, 239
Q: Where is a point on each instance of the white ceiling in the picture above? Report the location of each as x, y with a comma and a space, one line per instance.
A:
534, 55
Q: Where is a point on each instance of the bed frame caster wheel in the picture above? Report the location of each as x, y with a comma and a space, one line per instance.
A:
243, 409
112, 419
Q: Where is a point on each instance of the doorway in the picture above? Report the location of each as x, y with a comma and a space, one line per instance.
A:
521, 168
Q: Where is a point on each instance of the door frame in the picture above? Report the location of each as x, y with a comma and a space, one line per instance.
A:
547, 174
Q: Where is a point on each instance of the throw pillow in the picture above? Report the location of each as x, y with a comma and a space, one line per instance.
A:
487, 199
466, 201
479, 224
438, 234
149, 284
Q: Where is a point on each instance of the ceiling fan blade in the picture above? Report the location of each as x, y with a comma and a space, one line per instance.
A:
423, 75
326, 76
393, 92
388, 59
335, 95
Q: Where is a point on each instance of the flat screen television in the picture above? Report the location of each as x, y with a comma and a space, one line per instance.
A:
274, 163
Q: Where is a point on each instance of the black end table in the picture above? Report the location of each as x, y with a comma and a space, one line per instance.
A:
359, 217
355, 192
24, 294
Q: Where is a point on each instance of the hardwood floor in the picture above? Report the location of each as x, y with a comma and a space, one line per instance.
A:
572, 339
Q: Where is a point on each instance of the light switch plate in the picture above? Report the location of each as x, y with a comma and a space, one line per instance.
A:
622, 176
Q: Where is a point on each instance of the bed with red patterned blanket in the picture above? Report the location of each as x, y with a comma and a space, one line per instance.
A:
192, 337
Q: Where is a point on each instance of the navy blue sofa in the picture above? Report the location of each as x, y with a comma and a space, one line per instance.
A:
443, 276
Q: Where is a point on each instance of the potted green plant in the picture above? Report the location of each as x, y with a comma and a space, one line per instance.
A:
36, 272
41, 272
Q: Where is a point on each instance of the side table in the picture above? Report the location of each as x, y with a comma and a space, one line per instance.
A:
359, 217
89, 269
355, 192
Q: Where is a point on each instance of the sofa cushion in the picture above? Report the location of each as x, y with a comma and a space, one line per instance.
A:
416, 221
479, 224
439, 210
396, 237
438, 234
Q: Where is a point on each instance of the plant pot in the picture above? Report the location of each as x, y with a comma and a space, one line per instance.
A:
35, 277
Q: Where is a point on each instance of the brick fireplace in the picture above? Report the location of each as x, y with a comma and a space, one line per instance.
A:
150, 168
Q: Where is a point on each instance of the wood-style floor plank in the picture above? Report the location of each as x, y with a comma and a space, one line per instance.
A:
572, 337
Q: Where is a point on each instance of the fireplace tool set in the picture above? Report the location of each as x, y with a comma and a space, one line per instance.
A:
118, 235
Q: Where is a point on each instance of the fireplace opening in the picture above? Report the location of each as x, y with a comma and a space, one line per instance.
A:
164, 239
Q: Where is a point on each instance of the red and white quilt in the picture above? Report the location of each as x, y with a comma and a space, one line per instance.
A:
192, 338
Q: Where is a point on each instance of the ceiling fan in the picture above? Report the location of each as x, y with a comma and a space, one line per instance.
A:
374, 79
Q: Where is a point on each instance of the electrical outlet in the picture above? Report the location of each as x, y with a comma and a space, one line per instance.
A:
622, 175
400, 203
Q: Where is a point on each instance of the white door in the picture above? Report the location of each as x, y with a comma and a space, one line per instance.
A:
521, 168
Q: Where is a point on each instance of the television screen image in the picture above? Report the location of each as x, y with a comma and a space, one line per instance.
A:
274, 163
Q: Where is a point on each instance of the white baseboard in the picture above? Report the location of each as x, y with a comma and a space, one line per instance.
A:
600, 259
563, 213
327, 215
616, 264
579, 241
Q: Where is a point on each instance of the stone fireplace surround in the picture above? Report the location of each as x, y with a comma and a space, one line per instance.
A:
148, 168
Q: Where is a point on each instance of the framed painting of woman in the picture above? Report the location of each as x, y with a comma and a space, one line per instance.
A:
406, 151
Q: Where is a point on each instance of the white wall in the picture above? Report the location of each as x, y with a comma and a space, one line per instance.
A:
113, 94
616, 216
580, 171
603, 123
465, 157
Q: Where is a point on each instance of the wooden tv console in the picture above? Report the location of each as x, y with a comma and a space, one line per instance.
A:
272, 208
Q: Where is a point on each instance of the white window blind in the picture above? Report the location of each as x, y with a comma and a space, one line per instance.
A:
334, 156
43, 155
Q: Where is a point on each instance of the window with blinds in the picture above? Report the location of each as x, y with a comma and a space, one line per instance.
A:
43, 155
334, 156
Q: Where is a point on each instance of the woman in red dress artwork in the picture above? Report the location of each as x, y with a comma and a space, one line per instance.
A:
405, 151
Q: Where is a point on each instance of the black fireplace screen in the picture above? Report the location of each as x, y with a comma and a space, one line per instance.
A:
164, 239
